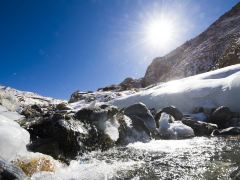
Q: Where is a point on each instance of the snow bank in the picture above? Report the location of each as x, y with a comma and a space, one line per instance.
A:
13, 138
212, 89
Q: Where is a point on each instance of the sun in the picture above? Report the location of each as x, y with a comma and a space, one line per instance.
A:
159, 32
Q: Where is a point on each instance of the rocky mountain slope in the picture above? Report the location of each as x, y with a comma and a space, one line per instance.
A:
217, 47
14, 99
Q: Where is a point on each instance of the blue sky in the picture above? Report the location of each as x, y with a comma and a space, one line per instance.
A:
54, 47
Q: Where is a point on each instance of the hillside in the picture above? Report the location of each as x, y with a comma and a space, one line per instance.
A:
217, 47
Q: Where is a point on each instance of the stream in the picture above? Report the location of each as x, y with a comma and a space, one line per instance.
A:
196, 158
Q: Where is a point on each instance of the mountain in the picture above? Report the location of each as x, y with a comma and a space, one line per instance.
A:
14, 99
218, 46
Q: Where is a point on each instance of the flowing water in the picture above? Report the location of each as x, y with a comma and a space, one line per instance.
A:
197, 158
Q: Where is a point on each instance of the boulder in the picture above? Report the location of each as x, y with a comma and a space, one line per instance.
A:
110, 88
61, 138
234, 122
228, 131
139, 113
235, 175
171, 110
62, 107
32, 111
130, 132
96, 114
9, 171
200, 128
77, 96
221, 116
130, 83
65, 136
36, 163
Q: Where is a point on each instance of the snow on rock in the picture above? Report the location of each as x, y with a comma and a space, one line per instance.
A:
217, 88
173, 130
13, 138
87, 100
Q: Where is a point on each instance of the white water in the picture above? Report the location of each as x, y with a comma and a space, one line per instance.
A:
197, 158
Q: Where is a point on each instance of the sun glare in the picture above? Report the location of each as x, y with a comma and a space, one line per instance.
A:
159, 32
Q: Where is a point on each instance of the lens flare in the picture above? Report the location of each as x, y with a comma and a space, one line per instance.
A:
159, 32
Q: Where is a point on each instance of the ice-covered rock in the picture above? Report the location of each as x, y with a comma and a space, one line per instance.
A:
13, 138
175, 130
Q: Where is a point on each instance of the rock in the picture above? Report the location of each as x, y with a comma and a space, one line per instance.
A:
65, 136
130, 83
234, 122
228, 131
62, 106
32, 111
96, 114
113, 87
77, 96
200, 128
130, 133
139, 113
221, 116
235, 175
127, 84
59, 138
10, 172
171, 110
36, 164
37, 108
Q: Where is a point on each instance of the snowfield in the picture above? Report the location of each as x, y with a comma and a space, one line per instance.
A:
212, 89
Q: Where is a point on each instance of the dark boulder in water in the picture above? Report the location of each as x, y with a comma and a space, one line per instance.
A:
221, 116
65, 135
10, 172
140, 114
228, 131
200, 128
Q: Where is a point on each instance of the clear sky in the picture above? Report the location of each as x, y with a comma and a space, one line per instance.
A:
54, 47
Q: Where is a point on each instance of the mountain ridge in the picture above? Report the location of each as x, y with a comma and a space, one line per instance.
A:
211, 49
